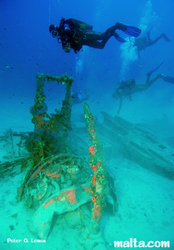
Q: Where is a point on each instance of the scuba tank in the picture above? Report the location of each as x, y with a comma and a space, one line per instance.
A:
81, 25
76, 28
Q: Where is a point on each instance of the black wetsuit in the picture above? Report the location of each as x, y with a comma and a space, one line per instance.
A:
127, 88
74, 34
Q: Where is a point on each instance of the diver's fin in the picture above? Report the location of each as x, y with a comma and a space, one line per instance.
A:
120, 39
167, 78
150, 72
129, 30
166, 38
148, 34
132, 31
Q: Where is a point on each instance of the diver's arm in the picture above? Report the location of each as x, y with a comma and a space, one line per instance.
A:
139, 56
120, 104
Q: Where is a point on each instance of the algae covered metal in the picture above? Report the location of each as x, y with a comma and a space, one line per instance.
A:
56, 180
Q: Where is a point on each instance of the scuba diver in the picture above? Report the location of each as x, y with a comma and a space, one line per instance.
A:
73, 34
127, 88
143, 42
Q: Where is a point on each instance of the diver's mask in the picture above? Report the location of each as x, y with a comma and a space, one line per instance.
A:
54, 32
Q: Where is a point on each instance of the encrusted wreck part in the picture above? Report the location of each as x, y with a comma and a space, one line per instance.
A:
9, 144
65, 169
60, 202
63, 117
39, 109
64, 79
67, 104
46, 124
97, 163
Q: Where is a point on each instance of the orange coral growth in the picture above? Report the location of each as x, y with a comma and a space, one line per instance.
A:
68, 195
97, 212
96, 161
92, 130
62, 196
97, 209
94, 168
35, 174
93, 180
93, 199
53, 174
92, 150
40, 121
71, 197
48, 203
20, 190
87, 189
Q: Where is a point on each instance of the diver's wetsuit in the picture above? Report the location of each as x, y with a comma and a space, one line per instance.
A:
124, 89
82, 34
143, 42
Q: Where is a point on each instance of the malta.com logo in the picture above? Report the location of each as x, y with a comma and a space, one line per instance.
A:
134, 243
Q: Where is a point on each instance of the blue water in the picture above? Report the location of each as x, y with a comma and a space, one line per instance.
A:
27, 48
